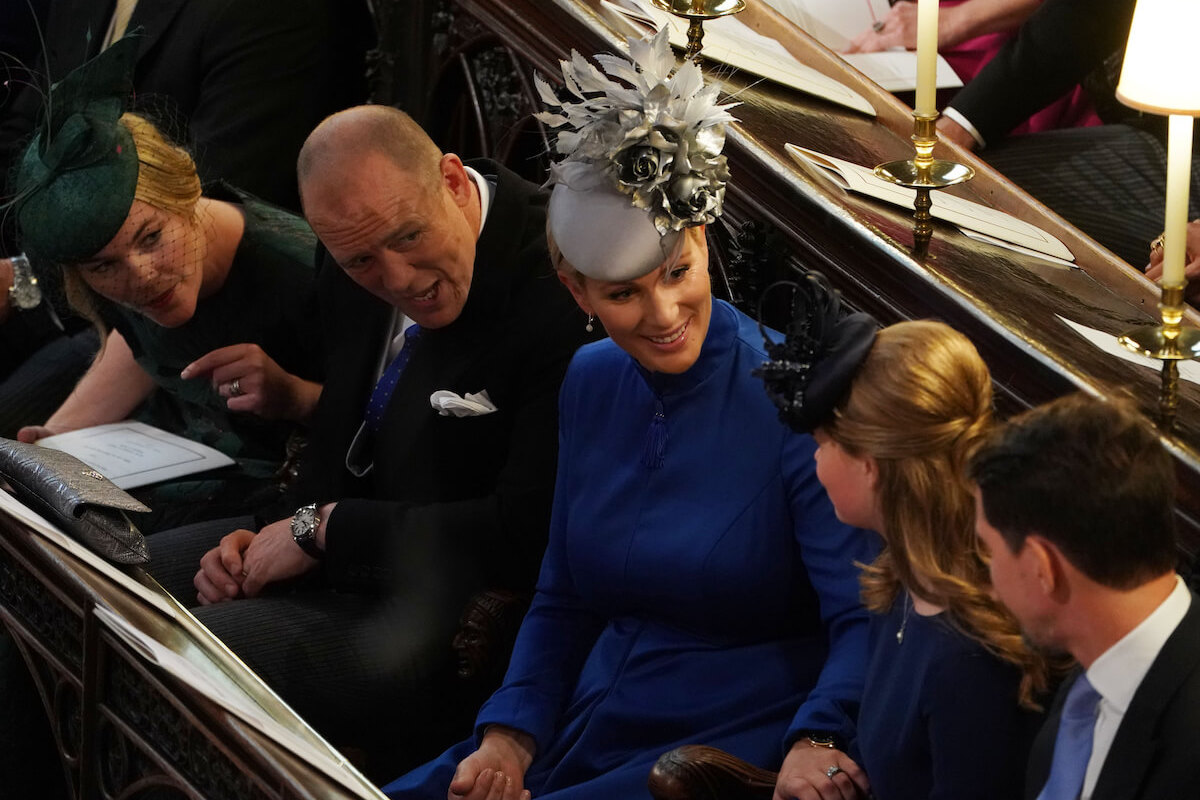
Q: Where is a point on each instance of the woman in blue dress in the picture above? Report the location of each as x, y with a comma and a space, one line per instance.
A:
950, 705
697, 586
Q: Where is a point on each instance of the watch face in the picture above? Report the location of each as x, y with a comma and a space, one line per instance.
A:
304, 521
25, 294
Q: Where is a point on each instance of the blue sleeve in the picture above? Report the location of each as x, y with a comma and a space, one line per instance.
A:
830, 551
557, 633
979, 737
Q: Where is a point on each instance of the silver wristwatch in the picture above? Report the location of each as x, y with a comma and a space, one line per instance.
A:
24, 292
305, 522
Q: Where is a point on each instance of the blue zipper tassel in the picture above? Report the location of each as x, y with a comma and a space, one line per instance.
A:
656, 438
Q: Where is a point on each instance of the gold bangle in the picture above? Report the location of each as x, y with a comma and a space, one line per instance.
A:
823, 742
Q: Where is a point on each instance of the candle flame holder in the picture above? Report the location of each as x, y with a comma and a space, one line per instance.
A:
1170, 342
697, 12
924, 173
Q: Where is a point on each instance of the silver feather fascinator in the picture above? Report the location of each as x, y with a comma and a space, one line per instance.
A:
642, 140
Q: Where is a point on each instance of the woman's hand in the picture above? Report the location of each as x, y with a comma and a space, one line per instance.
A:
956, 24
252, 382
31, 433
496, 771
805, 775
1191, 260
898, 28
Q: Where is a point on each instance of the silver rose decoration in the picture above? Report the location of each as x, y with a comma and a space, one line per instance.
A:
657, 134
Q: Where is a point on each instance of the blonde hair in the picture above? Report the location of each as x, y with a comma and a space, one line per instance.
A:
918, 406
167, 179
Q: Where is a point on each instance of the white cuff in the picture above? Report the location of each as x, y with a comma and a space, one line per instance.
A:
956, 115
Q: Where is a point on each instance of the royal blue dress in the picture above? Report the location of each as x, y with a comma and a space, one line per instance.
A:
697, 587
940, 719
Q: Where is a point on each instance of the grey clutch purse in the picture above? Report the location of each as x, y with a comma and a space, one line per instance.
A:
76, 498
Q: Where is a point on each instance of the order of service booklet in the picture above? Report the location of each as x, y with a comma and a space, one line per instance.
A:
133, 454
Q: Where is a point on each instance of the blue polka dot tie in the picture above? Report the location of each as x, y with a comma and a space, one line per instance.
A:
390, 377
1073, 745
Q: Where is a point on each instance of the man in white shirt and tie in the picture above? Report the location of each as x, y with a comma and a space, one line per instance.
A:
1075, 505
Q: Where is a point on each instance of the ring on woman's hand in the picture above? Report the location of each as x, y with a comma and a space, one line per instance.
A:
235, 388
834, 770
878, 26
1157, 243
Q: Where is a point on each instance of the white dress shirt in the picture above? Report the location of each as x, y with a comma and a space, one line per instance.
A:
1119, 671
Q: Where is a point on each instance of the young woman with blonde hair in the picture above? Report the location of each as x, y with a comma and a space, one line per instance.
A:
950, 702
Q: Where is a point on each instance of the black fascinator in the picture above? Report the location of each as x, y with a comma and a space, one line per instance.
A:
811, 369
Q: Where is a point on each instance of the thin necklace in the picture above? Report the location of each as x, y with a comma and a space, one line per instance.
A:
903, 621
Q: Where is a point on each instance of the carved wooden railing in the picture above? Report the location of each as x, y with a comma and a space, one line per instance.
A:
124, 728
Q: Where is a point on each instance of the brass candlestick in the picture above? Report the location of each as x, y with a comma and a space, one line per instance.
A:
696, 12
924, 173
1170, 342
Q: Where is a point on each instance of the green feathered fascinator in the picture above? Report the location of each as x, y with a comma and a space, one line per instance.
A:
76, 179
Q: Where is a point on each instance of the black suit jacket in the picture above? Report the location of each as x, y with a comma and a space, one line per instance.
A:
1054, 50
474, 493
242, 82
1156, 753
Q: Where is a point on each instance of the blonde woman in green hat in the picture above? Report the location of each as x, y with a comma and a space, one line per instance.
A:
207, 298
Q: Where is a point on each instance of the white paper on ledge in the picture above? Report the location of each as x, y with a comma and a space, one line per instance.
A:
133, 454
964, 213
896, 70
835, 23
983, 237
731, 42
228, 696
1188, 370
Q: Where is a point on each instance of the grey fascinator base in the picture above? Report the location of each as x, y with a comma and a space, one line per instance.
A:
76, 498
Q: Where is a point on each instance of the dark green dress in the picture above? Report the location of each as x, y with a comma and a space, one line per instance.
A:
267, 299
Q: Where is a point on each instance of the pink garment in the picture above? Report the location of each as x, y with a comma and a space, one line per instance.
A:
1072, 110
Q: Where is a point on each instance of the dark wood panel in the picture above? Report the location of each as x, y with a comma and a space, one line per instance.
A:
125, 728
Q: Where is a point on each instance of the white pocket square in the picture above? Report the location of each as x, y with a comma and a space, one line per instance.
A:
449, 404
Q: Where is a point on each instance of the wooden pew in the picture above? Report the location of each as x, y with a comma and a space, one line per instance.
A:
125, 726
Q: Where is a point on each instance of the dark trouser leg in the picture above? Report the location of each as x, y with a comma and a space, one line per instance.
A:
373, 673
1108, 181
35, 389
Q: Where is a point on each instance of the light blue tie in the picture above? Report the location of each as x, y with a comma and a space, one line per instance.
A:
390, 377
1073, 745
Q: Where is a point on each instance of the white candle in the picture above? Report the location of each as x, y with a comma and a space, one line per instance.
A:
1179, 161
927, 29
